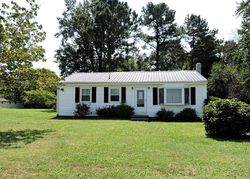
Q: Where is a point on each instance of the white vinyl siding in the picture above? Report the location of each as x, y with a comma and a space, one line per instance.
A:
85, 94
174, 96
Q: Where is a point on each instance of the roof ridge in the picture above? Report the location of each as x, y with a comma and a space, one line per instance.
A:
133, 71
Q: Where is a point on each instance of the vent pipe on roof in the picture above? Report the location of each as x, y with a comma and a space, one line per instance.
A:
198, 67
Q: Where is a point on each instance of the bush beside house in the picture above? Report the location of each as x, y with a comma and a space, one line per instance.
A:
227, 118
120, 111
82, 109
186, 115
164, 115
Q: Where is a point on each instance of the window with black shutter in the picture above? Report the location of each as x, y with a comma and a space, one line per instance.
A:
106, 94
155, 96
93, 94
123, 94
77, 94
193, 96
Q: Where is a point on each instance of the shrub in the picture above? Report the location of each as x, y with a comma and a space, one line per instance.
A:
120, 111
164, 115
81, 109
38, 99
209, 99
187, 114
124, 111
227, 118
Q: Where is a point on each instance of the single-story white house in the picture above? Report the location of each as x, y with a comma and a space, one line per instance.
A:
146, 91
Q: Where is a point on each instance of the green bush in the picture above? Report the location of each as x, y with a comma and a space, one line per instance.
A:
187, 114
164, 115
81, 109
227, 118
38, 99
120, 111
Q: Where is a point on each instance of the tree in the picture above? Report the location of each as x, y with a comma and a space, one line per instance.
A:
225, 81
27, 79
20, 38
164, 39
94, 35
243, 10
202, 43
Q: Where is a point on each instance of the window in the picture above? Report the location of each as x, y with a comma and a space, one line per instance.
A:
85, 94
114, 95
174, 95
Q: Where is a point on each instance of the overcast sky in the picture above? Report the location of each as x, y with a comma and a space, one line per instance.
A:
220, 14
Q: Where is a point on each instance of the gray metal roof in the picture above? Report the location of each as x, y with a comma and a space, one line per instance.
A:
136, 77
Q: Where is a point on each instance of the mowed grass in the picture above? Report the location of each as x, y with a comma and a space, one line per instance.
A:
33, 144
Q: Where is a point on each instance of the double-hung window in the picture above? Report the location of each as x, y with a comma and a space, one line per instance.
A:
85, 94
114, 94
174, 96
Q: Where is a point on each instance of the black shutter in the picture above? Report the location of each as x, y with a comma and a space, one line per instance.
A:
77, 94
161, 95
93, 94
123, 94
186, 95
155, 96
106, 94
193, 96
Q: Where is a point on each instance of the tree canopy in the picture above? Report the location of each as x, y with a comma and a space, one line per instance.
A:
20, 41
95, 35
163, 35
202, 43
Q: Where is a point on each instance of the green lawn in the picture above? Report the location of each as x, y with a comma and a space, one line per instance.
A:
35, 145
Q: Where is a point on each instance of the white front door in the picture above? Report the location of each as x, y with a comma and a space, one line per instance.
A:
140, 101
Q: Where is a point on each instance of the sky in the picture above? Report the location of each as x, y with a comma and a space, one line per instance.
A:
220, 14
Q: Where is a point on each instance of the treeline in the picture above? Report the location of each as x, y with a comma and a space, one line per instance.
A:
107, 35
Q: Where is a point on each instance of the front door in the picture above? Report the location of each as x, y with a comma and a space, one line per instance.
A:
140, 106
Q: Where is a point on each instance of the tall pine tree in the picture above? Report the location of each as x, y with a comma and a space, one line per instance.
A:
162, 35
202, 43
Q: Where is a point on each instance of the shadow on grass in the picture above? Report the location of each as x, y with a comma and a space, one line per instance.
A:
87, 118
13, 139
245, 138
49, 110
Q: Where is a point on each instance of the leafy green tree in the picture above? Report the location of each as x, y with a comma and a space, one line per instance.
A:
163, 35
202, 43
27, 79
20, 41
225, 81
244, 32
94, 35
243, 10
38, 99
